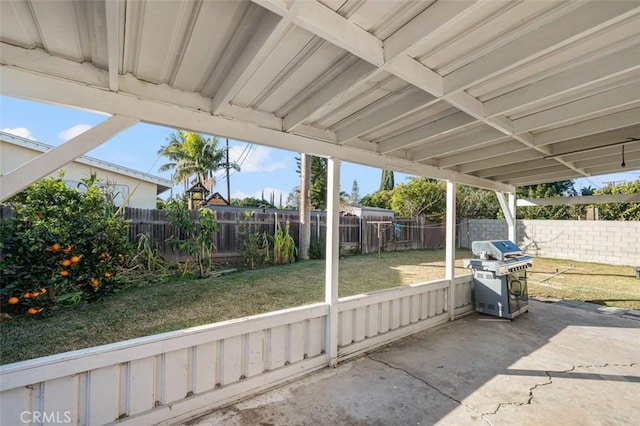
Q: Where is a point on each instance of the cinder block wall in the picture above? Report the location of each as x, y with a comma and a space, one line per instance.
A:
612, 242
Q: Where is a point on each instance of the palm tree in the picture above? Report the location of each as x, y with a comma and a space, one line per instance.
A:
191, 154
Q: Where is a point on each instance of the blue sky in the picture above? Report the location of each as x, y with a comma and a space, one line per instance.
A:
263, 168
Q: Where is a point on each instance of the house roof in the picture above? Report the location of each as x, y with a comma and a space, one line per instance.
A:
161, 183
493, 94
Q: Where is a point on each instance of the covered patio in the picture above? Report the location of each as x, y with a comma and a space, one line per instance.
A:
490, 94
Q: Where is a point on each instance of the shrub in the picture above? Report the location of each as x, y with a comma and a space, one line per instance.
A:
195, 237
64, 245
254, 245
284, 247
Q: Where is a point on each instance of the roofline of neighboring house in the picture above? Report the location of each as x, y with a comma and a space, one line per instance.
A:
161, 183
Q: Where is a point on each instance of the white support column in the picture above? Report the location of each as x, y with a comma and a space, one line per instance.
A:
450, 239
512, 208
509, 211
333, 255
44, 164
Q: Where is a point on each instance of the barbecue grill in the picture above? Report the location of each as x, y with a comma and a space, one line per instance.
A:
500, 278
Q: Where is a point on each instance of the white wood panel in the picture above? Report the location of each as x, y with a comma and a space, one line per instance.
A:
141, 385
255, 351
296, 341
425, 305
373, 319
345, 329
360, 323
315, 336
104, 396
231, 368
353, 302
415, 308
205, 367
433, 302
405, 311
394, 314
175, 375
385, 312
12, 403
61, 396
277, 347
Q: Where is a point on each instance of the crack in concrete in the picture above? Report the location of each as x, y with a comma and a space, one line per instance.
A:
420, 379
549, 382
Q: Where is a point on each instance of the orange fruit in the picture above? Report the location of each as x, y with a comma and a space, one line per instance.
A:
33, 311
64, 273
95, 282
13, 300
104, 255
27, 295
35, 294
43, 290
75, 259
107, 274
66, 262
55, 247
67, 250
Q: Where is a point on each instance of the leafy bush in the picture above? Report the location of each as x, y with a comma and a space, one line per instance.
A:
195, 237
316, 248
284, 247
63, 246
254, 245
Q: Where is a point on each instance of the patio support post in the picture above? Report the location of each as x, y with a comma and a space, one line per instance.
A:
450, 240
509, 211
333, 253
512, 226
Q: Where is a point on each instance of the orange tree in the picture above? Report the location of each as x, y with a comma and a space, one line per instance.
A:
62, 247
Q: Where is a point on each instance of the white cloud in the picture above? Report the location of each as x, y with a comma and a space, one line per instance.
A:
258, 160
22, 132
74, 131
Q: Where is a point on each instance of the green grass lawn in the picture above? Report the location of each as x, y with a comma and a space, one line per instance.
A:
178, 303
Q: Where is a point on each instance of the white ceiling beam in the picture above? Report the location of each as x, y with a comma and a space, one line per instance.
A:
419, 134
586, 20
585, 199
615, 158
337, 89
572, 80
114, 17
452, 144
416, 74
611, 151
632, 165
595, 141
46, 163
266, 36
615, 98
496, 160
19, 83
589, 127
482, 153
552, 168
378, 116
513, 167
551, 177
429, 23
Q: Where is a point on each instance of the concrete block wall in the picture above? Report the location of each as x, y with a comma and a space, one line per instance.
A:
612, 242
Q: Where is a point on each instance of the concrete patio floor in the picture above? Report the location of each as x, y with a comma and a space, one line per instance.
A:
561, 363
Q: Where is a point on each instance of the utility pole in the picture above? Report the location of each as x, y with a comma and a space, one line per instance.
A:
228, 181
305, 206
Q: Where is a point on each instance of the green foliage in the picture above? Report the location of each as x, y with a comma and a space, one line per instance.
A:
318, 189
387, 182
253, 202
546, 190
475, 203
317, 249
619, 211
63, 245
284, 247
420, 197
195, 237
380, 199
254, 245
147, 257
354, 198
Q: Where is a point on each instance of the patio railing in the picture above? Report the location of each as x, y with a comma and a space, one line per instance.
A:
174, 376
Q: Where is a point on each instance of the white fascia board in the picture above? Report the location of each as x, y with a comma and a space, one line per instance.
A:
113, 17
587, 199
19, 83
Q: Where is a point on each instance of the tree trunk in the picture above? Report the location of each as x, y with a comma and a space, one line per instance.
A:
305, 206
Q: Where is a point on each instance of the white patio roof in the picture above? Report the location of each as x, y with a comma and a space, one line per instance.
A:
493, 94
